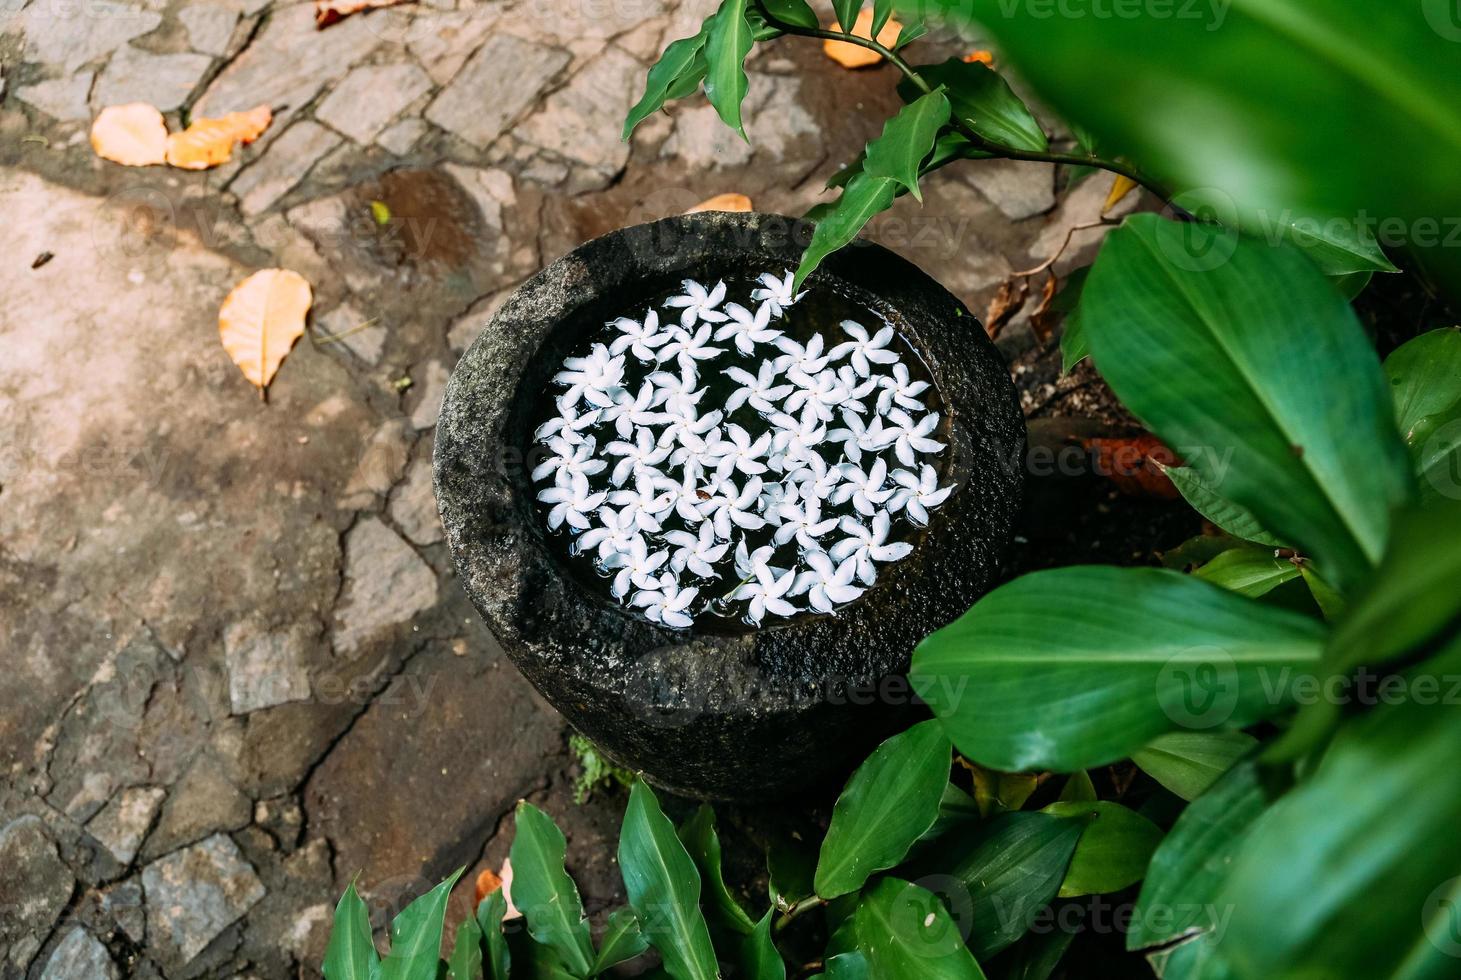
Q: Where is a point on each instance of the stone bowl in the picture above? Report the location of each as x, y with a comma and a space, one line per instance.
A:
725, 715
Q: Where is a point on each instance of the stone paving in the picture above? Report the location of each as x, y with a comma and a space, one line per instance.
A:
238, 669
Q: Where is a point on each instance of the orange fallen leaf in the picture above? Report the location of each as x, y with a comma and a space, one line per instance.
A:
260, 321
850, 55
1120, 187
981, 56
1006, 303
209, 142
133, 135
487, 883
1136, 464
329, 11
723, 202
1040, 316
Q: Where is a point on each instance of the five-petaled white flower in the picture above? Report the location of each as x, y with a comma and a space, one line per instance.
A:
613, 533
593, 378
910, 438
687, 348
900, 389
738, 452
747, 329
570, 460
569, 424
865, 488
639, 337
796, 439
807, 358
641, 453
727, 506
697, 552
636, 566
917, 495
818, 394
571, 503
866, 545
865, 351
698, 303
766, 593
667, 603
760, 390
647, 504
776, 293
826, 584
630, 412
804, 522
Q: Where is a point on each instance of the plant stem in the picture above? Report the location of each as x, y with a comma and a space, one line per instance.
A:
805, 905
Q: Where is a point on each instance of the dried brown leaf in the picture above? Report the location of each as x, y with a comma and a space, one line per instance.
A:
723, 202
328, 12
133, 135
260, 321
209, 142
1006, 303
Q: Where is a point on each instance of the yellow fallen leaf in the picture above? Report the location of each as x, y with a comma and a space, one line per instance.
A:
260, 321
850, 55
1120, 187
209, 142
329, 11
723, 202
133, 135
981, 56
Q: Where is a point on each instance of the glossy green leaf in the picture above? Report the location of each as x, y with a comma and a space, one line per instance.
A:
675, 63
1376, 825
846, 12
466, 955
1078, 788
543, 892
851, 965
1237, 521
862, 198
1113, 850
1187, 763
1351, 284
1034, 957
759, 958
906, 933
983, 100
664, 888
690, 80
1326, 597
914, 28
1249, 571
1079, 667
701, 841
890, 801
622, 940
351, 953
416, 936
727, 42
793, 12
790, 868
1425, 380
882, 11
906, 140
1013, 865
1242, 358
496, 958
1179, 895
956, 809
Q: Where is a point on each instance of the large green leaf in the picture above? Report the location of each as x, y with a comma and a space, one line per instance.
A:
466, 955
1248, 571
890, 801
664, 888
543, 892
351, 953
1113, 850
416, 936
793, 12
703, 843
1281, 87
677, 62
759, 958
1079, 667
1187, 763
1034, 957
906, 933
727, 42
622, 940
1179, 895
983, 101
862, 198
496, 957
1259, 375
1237, 521
906, 140
1367, 846
1425, 380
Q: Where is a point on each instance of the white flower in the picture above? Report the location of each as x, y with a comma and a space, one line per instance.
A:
667, 604
738, 452
864, 349
748, 561
642, 452
685, 494
569, 424
571, 503
909, 438
631, 411
648, 503
727, 507
636, 565
899, 388
612, 534
747, 329
867, 544
804, 522
796, 439
819, 394
687, 348
640, 337
918, 495
766, 592
593, 378
760, 390
808, 359
678, 390
773, 495
698, 304
864, 488
776, 293
697, 552
816, 479
857, 388
570, 460
827, 585
686, 432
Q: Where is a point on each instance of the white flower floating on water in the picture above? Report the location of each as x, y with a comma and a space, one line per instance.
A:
777, 494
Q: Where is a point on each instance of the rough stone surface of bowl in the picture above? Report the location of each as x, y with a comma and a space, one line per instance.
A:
722, 715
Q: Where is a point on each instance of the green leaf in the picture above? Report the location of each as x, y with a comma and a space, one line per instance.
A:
789, 870
1425, 380
1376, 825
675, 63
351, 953
727, 42
1013, 866
1035, 956
1079, 667
983, 100
416, 936
664, 888
497, 958
1249, 571
1351, 284
890, 801
701, 841
1078, 788
759, 958
622, 940
848, 966
956, 809
1257, 374
913, 29
1113, 850
846, 11
906, 140
688, 82
906, 933
1179, 895
882, 10
1187, 763
466, 956
543, 892
1237, 521
862, 198
793, 12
